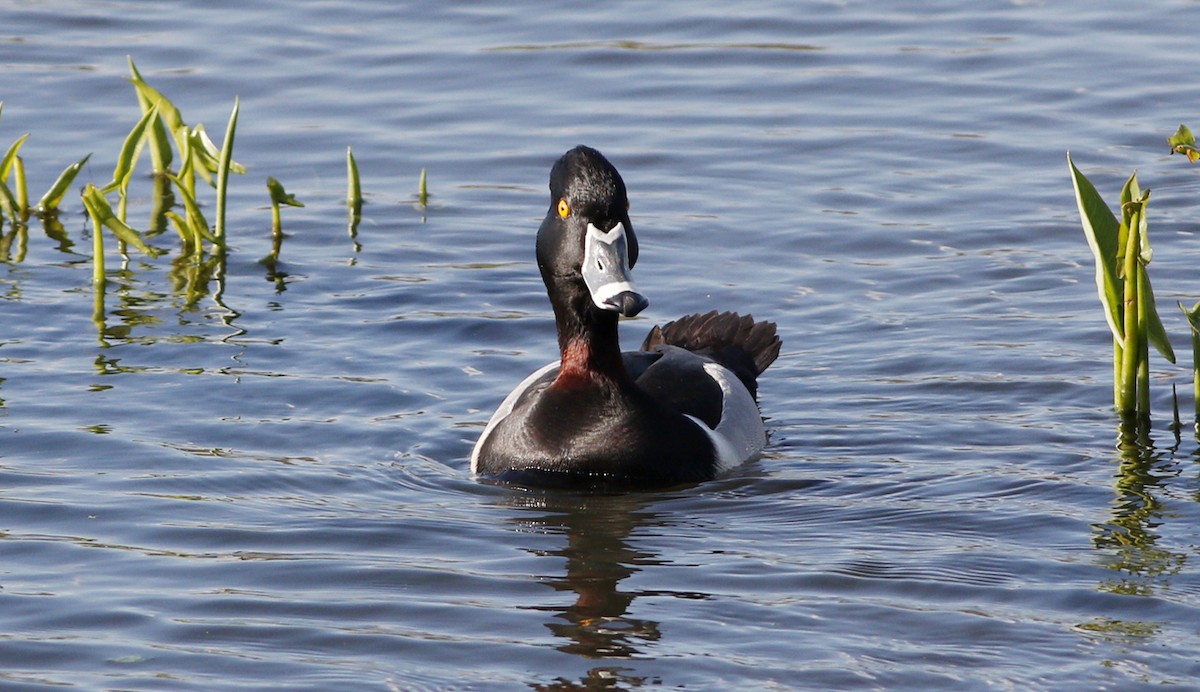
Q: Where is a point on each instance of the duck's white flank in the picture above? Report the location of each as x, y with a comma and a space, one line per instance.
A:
740, 435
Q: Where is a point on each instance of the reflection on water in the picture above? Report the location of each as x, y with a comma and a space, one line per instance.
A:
193, 276
599, 555
1130, 536
1128, 541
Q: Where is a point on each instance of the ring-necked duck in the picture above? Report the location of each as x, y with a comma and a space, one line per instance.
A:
680, 410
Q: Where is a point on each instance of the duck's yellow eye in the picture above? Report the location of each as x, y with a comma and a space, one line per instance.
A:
564, 209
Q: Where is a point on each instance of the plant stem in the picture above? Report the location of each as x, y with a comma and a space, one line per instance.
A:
19, 188
276, 232
1143, 382
1196, 376
97, 251
1130, 349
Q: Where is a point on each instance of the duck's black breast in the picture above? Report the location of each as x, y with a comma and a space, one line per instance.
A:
597, 431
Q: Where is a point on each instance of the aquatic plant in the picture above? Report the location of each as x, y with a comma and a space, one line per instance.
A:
354, 197
179, 153
278, 196
103, 217
127, 159
162, 124
224, 165
1184, 142
1193, 318
50, 201
14, 201
354, 200
1121, 251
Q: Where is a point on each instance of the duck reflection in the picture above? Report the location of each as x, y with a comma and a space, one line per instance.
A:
598, 554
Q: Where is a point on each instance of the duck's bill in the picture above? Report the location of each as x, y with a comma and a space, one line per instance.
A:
606, 271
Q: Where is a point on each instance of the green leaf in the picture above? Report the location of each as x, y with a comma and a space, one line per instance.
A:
1156, 332
22, 191
353, 186
101, 211
170, 114
211, 151
54, 195
1183, 142
127, 159
1134, 211
1193, 315
195, 217
205, 156
186, 177
186, 233
8, 203
7, 162
224, 165
1102, 231
160, 140
280, 195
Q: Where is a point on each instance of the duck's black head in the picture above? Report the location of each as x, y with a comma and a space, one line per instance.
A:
586, 245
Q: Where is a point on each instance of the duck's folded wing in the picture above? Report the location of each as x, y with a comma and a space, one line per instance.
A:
679, 381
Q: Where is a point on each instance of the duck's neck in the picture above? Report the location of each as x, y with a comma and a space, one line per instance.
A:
587, 339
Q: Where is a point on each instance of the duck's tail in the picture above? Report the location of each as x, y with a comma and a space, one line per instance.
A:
739, 343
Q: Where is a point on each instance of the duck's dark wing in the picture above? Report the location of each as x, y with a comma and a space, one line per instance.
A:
678, 380
737, 342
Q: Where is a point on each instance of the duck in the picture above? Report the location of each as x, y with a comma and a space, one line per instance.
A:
681, 410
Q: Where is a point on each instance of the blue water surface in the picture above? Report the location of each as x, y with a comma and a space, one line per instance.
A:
254, 475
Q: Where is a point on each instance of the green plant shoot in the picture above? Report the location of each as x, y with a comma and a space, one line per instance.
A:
97, 238
8, 204
7, 162
224, 164
353, 185
1193, 318
1121, 251
1184, 142
101, 211
22, 190
195, 217
103, 217
160, 143
280, 196
58, 190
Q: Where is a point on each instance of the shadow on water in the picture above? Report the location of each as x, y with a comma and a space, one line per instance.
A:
1129, 541
598, 622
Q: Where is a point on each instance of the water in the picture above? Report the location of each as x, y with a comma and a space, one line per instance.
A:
261, 481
